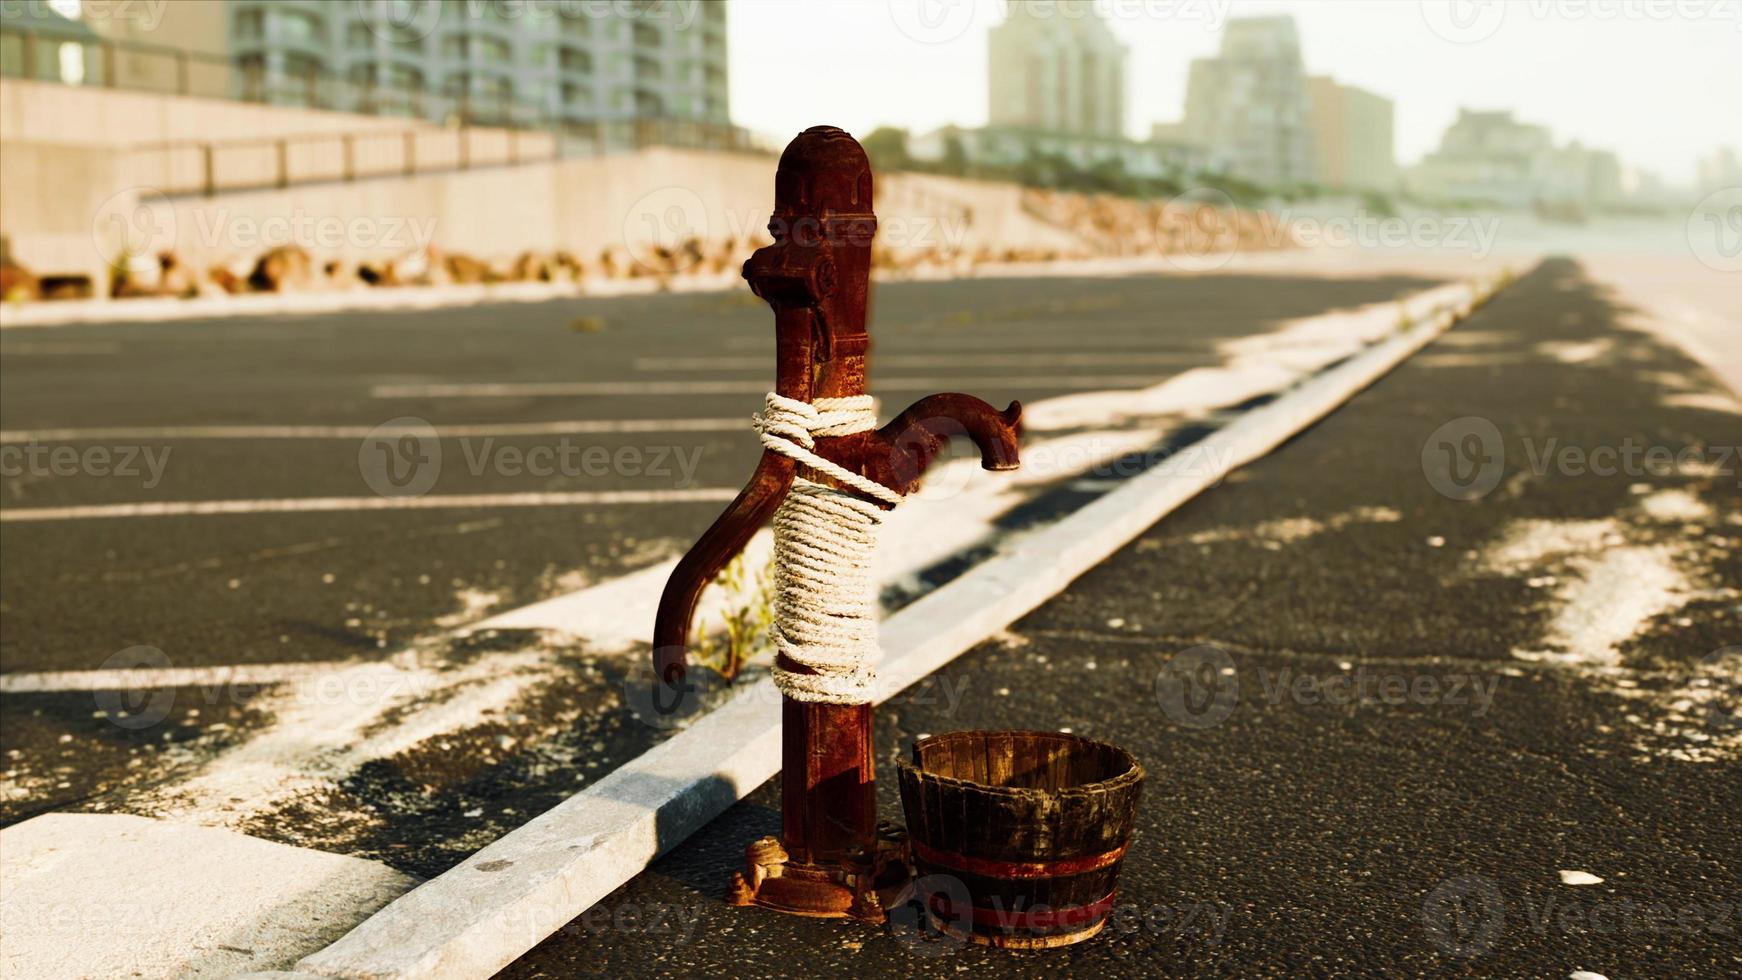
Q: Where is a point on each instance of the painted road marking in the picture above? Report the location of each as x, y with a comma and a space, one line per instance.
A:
154, 678
536, 389
305, 505
26, 348
445, 430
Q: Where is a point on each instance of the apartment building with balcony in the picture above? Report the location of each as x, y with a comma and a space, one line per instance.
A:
574, 66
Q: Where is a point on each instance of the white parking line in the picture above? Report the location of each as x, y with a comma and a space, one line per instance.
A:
444, 430
303, 505
536, 389
152, 678
25, 348
977, 360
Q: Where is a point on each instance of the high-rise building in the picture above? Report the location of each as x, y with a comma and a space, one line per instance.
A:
1055, 66
1602, 178
1352, 136
1720, 169
1248, 105
488, 61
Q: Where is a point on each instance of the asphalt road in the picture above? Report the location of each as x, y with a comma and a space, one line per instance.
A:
274, 412
1449, 675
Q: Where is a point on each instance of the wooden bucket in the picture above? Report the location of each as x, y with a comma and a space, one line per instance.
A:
1033, 825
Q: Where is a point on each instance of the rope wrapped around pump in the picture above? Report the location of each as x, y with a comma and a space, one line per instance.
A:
825, 600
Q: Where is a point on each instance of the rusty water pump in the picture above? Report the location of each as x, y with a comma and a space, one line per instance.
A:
830, 859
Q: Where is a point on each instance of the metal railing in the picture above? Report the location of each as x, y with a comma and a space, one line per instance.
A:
209, 167
216, 166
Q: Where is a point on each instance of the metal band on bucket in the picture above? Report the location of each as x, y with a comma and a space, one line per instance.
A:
1044, 919
989, 868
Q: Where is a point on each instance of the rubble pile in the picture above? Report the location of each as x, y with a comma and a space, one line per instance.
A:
1119, 226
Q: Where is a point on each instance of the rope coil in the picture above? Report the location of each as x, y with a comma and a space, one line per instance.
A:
825, 599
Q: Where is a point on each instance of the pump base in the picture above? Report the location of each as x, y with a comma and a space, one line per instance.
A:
844, 890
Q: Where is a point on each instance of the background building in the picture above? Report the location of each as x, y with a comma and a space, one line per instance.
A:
1579, 176
46, 46
490, 62
1010, 148
1486, 158
1056, 67
1490, 158
1056, 101
1248, 105
583, 68
1353, 142
1720, 169
153, 52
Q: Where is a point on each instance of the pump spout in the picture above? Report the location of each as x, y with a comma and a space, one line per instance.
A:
915, 437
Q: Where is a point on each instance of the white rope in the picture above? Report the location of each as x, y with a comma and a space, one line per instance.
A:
825, 600
790, 427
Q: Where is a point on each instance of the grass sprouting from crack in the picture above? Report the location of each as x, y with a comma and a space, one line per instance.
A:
748, 617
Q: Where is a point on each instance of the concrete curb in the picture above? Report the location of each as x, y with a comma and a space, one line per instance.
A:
483, 914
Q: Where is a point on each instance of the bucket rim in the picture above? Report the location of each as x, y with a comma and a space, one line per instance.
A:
1132, 776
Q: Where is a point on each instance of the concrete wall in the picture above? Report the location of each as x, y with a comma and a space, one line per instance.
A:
72, 115
52, 205
78, 209
92, 176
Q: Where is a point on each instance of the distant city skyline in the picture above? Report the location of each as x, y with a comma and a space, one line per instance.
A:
1661, 92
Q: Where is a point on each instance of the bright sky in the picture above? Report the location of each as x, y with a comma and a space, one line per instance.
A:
1658, 81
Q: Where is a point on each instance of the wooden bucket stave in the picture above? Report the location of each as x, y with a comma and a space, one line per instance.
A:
1034, 826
